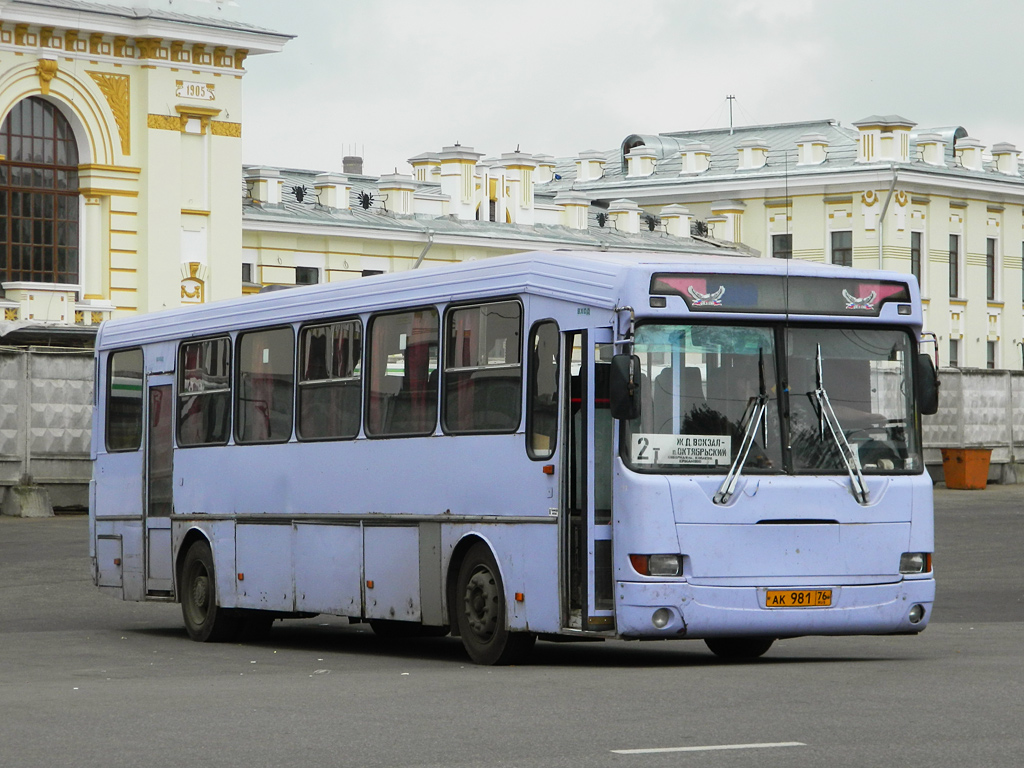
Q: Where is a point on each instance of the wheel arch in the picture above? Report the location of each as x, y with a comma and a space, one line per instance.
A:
452, 574
191, 537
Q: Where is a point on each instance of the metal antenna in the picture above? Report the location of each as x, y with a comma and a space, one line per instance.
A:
730, 98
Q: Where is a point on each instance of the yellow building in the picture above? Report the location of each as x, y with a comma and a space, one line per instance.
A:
120, 150
883, 193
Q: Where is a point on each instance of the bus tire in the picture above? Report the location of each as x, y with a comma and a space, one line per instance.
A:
205, 621
481, 612
739, 648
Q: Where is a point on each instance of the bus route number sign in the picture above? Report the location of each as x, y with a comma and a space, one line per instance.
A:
679, 450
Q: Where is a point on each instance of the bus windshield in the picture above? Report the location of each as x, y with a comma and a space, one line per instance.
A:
712, 400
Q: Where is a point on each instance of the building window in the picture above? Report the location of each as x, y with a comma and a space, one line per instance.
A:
307, 275
915, 255
782, 246
990, 268
247, 273
954, 265
842, 248
38, 195
954, 353
990, 355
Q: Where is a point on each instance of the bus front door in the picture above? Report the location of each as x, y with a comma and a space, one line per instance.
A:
586, 532
159, 485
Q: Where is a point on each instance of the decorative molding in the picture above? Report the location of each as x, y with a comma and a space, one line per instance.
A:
46, 69
165, 122
116, 90
222, 128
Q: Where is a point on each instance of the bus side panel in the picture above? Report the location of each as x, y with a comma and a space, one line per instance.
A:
527, 557
119, 562
328, 569
118, 478
263, 562
221, 535
392, 568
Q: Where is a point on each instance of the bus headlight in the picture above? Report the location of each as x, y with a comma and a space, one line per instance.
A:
916, 562
657, 565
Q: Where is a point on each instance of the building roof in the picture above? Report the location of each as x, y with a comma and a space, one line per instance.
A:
780, 140
309, 212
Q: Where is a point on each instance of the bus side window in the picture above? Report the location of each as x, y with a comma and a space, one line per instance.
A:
483, 377
330, 380
401, 398
264, 395
542, 391
204, 392
123, 427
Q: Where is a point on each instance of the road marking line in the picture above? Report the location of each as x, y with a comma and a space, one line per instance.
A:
708, 748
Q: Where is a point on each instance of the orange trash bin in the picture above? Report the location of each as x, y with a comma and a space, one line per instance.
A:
966, 469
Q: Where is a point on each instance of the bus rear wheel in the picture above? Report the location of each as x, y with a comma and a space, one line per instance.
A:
739, 648
480, 612
205, 621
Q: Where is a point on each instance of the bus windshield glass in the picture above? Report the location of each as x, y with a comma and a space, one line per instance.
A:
711, 400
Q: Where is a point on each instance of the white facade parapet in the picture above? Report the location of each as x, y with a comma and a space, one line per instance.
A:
519, 170
264, 185
884, 138
458, 180
590, 165
545, 169
640, 161
695, 158
424, 165
1007, 158
677, 220
626, 215
970, 152
575, 208
932, 148
398, 189
753, 154
332, 190
812, 149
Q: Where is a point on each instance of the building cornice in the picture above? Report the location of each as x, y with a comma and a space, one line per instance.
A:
114, 21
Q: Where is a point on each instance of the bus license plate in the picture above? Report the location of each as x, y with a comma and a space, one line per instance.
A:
798, 598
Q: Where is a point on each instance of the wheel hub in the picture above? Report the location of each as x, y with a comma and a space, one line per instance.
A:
481, 600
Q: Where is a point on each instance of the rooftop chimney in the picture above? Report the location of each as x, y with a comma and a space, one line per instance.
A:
352, 164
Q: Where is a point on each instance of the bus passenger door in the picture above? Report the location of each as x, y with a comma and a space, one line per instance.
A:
159, 484
587, 554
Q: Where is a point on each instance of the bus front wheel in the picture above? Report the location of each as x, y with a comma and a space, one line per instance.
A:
480, 610
205, 621
739, 648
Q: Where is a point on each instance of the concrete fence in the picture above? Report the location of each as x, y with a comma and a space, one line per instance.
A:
46, 401
979, 409
46, 398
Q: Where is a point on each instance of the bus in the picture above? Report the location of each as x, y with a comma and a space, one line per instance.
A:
560, 445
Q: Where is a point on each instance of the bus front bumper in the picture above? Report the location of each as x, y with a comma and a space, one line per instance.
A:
678, 609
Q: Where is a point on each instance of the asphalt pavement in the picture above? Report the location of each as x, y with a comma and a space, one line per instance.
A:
86, 681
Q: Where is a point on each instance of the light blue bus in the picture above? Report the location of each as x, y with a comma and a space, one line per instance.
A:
553, 445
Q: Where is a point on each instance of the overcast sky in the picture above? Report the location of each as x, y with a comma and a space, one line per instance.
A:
394, 78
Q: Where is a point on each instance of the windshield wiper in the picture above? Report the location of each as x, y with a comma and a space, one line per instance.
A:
756, 416
827, 416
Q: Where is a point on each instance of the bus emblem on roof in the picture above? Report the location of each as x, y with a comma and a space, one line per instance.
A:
866, 303
707, 299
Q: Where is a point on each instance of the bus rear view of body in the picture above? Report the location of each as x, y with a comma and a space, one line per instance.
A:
588, 446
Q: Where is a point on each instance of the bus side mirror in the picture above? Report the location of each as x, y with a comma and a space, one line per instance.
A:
927, 380
624, 387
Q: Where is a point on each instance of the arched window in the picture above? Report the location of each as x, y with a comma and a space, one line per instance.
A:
38, 195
